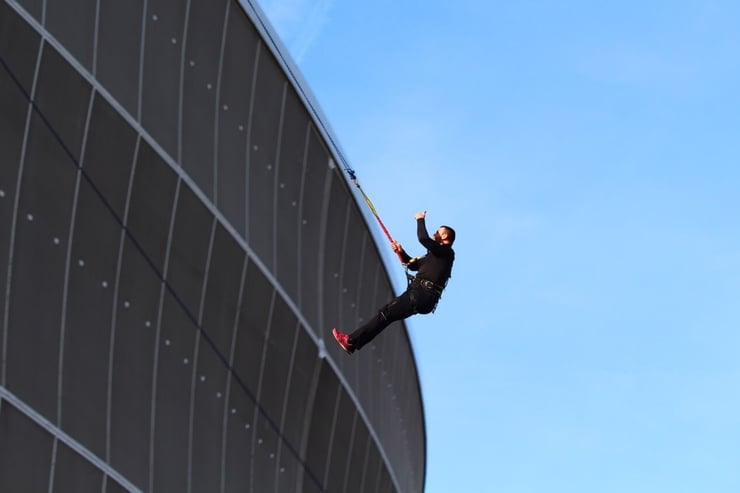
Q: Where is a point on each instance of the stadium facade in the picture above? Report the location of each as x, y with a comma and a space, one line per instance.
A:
176, 242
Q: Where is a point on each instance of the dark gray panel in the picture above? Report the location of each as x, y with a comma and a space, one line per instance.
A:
351, 268
37, 284
33, 7
25, 452
289, 470
239, 429
174, 380
109, 154
237, 74
290, 173
222, 291
73, 24
62, 97
208, 416
277, 360
191, 236
322, 421
119, 51
165, 20
357, 456
133, 366
370, 475
200, 86
304, 363
263, 142
152, 197
87, 329
111, 486
264, 458
333, 248
19, 47
385, 485
314, 177
252, 327
75, 474
13, 110
341, 446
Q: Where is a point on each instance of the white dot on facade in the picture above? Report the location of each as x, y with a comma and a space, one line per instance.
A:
282, 185
29, 217
272, 455
167, 342
241, 128
294, 203
233, 411
185, 361
55, 240
126, 304
246, 426
256, 148
269, 167
192, 63
81, 263
259, 441
2, 193
218, 395
202, 378
155, 17
209, 86
226, 107
305, 221
104, 284
174, 41
147, 324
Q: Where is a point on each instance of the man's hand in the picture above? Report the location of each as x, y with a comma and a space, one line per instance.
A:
396, 246
420, 215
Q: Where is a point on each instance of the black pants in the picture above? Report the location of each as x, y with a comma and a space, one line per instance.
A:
415, 299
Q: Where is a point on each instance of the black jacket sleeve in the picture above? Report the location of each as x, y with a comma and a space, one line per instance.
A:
428, 243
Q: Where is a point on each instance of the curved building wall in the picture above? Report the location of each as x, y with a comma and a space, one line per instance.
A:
176, 243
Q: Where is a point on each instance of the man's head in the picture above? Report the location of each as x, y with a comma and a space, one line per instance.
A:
444, 235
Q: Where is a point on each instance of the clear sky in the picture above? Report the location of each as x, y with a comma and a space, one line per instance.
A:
588, 155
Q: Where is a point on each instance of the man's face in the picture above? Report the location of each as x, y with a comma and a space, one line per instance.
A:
440, 236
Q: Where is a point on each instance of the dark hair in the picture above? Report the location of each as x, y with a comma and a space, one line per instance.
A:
450, 234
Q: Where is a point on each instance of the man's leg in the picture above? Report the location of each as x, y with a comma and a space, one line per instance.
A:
398, 309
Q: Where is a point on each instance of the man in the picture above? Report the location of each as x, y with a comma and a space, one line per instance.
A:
423, 292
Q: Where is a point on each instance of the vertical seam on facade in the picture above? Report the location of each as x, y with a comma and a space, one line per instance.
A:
322, 244
350, 448
142, 55
155, 366
248, 156
258, 394
196, 352
284, 411
96, 31
67, 264
217, 104
114, 311
181, 95
299, 225
16, 206
335, 418
229, 374
275, 182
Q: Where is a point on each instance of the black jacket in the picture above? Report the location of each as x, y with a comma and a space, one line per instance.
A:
436, 265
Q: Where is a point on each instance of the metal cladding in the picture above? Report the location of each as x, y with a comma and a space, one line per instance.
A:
176, 244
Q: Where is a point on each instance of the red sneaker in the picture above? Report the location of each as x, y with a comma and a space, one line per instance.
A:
343, 340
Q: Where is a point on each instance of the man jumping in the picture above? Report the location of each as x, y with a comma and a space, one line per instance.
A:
423, 292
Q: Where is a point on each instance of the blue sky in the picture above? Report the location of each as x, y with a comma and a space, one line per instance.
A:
588, 155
